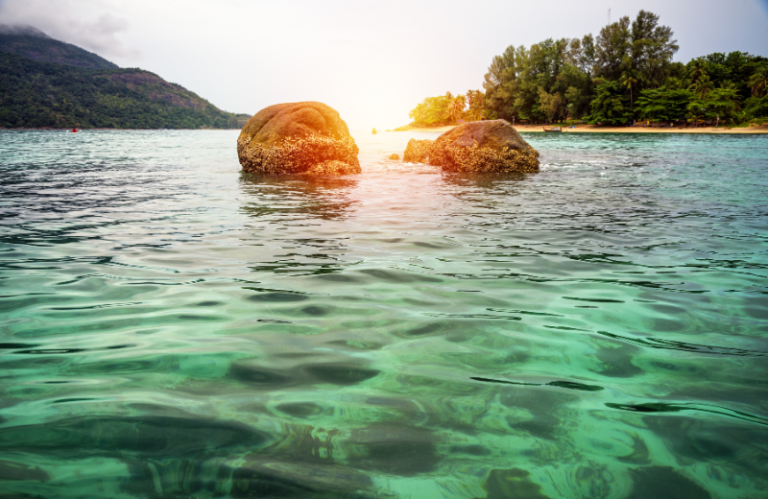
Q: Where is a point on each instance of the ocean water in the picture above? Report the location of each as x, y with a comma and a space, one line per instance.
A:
170, 327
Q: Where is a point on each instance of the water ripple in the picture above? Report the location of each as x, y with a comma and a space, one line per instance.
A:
170, 327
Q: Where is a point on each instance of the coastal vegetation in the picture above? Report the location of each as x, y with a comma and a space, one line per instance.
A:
625, 74
45, 83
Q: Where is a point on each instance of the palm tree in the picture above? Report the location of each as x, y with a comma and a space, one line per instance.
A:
697, 70
724, 101
630, 78
456, 107
674, 83
702, 86
475, 98
759, 81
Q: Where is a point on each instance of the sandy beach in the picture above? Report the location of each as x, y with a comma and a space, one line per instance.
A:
606, 129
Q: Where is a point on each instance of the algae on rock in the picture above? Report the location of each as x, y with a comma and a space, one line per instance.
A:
302, 137
417, 151
484, 147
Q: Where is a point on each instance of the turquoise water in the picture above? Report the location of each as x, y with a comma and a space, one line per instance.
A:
172, 328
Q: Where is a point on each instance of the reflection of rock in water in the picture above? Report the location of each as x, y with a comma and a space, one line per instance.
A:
297, 197
494, 181
308, 183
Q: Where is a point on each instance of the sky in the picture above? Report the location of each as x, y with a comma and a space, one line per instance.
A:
371, 60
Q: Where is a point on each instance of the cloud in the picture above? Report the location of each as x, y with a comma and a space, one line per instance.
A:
82, 23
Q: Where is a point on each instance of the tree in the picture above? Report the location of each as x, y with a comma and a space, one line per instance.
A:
551, 105
500, 83
613, 44
456, 107
664, 104
433, 111
475, 111
720, 103
652, 47
609, 105
697, 70
759, 81
756, 107
724, 102
702, 86
587, 60
630, 78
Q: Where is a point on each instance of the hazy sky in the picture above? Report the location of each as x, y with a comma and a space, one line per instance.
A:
373, 61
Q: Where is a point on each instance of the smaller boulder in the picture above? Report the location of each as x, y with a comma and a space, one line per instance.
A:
484, 147
417, 151
394, 156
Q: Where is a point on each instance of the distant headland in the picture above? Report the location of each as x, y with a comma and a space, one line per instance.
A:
46, 83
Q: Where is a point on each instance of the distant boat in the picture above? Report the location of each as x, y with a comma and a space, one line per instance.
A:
74, 130
553, 129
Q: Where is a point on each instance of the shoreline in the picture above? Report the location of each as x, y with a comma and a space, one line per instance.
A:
763, 130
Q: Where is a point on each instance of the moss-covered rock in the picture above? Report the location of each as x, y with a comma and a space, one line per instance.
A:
484, 147
302, 137
417, 151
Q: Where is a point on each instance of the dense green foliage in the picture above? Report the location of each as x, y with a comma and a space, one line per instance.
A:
624, 74
37, 94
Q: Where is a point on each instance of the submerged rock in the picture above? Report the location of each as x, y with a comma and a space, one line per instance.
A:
483, 147
301, 137
417, 151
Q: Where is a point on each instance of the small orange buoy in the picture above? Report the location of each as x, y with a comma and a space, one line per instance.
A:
74, 130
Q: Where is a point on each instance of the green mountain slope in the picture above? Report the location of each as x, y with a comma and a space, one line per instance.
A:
48, 84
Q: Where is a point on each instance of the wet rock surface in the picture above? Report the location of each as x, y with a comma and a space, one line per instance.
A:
484, 147
417, 151
301, 137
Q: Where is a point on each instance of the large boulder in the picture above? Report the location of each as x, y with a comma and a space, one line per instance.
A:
301, 137
482, 147
417, 151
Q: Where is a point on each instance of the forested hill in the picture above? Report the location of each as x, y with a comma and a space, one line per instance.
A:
49, 84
